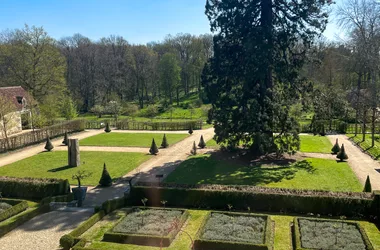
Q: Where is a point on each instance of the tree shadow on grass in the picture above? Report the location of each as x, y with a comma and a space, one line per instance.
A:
60, 169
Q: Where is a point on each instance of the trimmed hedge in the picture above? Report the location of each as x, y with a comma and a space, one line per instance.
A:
202, 244
33, 188
61, 198
111, 205
17, 220
15, 209
291, 201
296, 233
145, 240
136, 125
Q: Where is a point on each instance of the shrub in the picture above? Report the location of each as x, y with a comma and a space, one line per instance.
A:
202, 143
48, 146
33, 188
335, 149
13, 210
87, 224
4, 206
191, 130
65, 139
107, 129
342, 154
105, 180
367, 185
98, 110
164, 143
111, 205
193, 150
153, 148
66, 241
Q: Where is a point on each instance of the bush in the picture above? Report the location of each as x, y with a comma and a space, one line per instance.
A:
48, 146
335, 149
164, 143
202, 143
367, 185
111, 205
191, 130
153, 148
105, 180
342, 154
66, 241
193, 150
107, 129
65, 139
4, 206
13, 210
33, 188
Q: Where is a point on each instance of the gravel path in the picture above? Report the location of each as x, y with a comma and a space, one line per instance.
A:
43, 232
361, 163
315, 155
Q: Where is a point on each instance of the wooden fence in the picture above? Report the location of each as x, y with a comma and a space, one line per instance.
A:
38, 136
135, 125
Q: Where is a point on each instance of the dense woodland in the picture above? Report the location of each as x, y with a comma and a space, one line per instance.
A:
262, 73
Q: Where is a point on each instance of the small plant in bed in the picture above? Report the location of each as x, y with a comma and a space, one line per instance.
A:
151, 222
235, 228
330, 234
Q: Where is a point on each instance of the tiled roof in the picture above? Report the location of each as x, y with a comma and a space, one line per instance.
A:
12, 93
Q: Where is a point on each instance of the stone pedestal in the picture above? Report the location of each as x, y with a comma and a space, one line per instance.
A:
73, 151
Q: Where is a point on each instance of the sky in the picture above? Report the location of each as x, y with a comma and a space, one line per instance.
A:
138, 21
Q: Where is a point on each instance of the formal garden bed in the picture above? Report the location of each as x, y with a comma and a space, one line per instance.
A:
148, 226
329, 234
223, 230
54, 165
117, 139
9, 208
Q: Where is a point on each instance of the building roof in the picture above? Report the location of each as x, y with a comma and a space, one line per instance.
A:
15, 94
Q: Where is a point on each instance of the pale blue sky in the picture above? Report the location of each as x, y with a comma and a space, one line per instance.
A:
138, 21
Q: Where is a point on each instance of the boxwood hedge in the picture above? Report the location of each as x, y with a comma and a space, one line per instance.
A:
16, 208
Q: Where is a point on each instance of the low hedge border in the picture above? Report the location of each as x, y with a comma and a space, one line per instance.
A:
202, 244
297, 234
15, 209
19, 219
60, 198
69, 240
266, 200
111, 205
146, 240
33, 188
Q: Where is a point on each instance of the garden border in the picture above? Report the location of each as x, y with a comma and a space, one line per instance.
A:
17, 207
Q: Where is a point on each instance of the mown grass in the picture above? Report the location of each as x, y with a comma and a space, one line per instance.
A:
367, 144
316, 174
54, 165
130, 139
315, 144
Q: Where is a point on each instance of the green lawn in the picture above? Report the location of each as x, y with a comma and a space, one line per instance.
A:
317, 174
54, 165
367, 144
315, 144
130, 139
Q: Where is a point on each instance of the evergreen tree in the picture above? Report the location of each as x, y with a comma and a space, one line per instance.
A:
107, 129
335, 149
153, 148
202, 143
193, 150
164, 143
342, 154
191, 130
105, 180
260, 88
48, 146
65, 139
367, 185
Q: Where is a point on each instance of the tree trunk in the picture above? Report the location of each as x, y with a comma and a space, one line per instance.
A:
364, 124
358, 103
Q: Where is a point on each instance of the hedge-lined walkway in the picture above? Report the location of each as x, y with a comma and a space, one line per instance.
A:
361, 163
43, 231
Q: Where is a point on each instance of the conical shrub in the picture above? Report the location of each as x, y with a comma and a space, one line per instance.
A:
367, 185
153, 148
65, 139
191, 130
164, 143
342, 154
105, 180
48, 146
202, 143
193, 151
107, 129
335, 149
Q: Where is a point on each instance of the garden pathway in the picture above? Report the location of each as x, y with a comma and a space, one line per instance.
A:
361, 163
17, 155
43, 231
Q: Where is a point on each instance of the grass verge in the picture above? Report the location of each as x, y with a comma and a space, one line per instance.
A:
315, 144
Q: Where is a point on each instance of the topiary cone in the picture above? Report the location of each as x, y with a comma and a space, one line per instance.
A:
164, 143
65, 139
193, 151
202, 143
367, 185
48, 146
105, 180
153, 148
342, 154
335, 149
191, 130
107, 129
